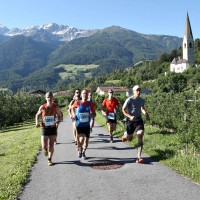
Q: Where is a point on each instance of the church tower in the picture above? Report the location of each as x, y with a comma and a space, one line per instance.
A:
188, 43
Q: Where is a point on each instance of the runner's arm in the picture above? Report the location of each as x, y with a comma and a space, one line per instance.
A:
145, 113
126, 114
39, 112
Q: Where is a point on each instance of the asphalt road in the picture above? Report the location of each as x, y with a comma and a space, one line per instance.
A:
73, 178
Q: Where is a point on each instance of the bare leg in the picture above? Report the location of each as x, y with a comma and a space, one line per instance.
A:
140, 134
51, 145
44, 141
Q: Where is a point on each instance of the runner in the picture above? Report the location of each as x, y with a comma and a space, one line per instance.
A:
76, 98
111, 104
82, 111
134, 106
55, 142
49, 122
91, 119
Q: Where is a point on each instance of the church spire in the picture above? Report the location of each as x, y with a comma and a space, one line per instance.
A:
188, 30
188, 42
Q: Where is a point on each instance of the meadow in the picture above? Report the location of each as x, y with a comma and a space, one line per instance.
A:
71, 70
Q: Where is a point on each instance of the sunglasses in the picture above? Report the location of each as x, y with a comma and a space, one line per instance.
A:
77, 92
111, 92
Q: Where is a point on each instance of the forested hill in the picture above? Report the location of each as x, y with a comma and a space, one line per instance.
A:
154, 75
25, 62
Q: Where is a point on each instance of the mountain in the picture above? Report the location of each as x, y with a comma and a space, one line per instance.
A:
21, 56
48, 32
26, 61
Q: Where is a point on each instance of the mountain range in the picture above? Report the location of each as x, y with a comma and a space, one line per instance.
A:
29, 57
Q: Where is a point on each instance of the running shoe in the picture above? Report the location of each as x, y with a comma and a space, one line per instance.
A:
90, 130
55, 142
84, 156
50, 163
75, 142
140, 160
111, 140
45, 152
80, 152
124, 137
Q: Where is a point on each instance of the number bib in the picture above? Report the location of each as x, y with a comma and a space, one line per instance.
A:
111, 116
49, 121
84, 117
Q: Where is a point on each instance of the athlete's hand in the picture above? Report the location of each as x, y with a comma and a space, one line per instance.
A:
37, 125
73, 117
103, 113
133, 118
57, 122
147, 118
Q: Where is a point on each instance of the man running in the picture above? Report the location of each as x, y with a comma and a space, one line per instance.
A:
49, 122
77, 97
82, 111
55, 142
109, 109
91, 119
135, 106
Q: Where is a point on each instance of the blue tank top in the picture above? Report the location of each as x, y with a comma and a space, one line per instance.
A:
82, 115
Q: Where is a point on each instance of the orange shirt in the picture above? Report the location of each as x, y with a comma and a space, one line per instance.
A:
110, 104
76, 103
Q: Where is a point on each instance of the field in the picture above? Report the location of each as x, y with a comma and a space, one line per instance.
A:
112, 82
72, 70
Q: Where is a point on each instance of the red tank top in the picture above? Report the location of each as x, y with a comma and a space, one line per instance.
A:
48, 116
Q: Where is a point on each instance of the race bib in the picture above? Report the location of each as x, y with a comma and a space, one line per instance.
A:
49, 121
84, 117
111, 116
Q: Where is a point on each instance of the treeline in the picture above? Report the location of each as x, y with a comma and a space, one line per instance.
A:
172, 113
18, 107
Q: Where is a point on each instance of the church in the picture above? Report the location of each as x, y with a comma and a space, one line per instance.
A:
178, 65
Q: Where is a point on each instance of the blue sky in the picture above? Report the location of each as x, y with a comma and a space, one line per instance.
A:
144, 16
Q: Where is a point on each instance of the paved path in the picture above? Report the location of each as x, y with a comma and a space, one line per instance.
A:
74, 178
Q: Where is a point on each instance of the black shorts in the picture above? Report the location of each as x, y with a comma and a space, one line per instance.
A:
84, 130
49, 131
134, 126
112, 121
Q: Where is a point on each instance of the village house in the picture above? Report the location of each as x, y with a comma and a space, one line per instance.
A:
38, 92
143, 92
118, 90
63, 93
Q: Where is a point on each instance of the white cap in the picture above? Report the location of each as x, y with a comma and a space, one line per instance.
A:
136, 87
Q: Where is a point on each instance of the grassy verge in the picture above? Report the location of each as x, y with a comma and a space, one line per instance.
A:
19, 147
164, 147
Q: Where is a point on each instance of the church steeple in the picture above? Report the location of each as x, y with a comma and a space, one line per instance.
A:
188, 42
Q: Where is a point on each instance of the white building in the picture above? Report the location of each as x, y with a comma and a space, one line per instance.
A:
178, 65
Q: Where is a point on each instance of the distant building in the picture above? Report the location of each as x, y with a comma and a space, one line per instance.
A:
178, 65
38, 92
143, 92
118, 90
63, 93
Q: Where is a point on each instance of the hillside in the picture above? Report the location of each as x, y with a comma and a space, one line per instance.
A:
21, 56
29, 63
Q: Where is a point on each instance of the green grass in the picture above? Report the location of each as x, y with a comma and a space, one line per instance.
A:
163, 146
19, 146
72, 70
